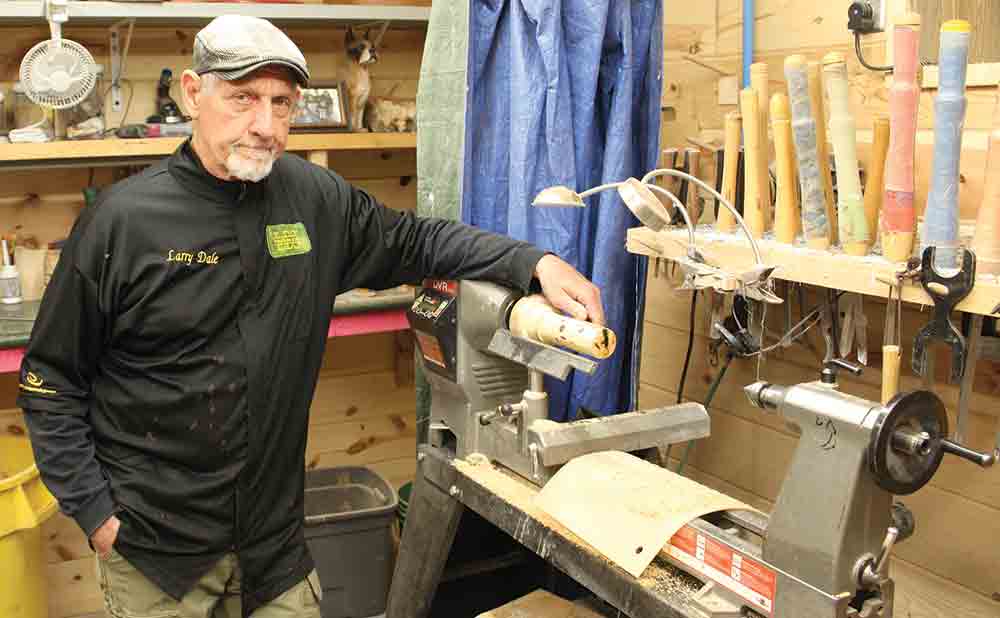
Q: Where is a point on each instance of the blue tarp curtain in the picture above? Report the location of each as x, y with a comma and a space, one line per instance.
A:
567, 92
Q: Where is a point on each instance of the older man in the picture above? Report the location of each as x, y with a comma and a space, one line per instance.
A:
168, 380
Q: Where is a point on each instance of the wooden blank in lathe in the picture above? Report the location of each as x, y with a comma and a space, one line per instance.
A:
626, 508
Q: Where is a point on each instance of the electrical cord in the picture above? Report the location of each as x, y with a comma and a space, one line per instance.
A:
687, 362
798, 330
687, 356
712, 389
128, 105
861, 58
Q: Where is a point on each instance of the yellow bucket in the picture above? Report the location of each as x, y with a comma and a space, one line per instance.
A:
24, 505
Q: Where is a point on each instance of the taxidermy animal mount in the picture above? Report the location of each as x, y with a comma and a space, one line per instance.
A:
361, 53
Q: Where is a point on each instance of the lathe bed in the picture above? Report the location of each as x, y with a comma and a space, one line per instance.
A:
445, 485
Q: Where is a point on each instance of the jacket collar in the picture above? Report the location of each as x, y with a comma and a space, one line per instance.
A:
187, 169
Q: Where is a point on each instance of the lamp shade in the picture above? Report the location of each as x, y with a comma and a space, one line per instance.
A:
558, 197
644, 205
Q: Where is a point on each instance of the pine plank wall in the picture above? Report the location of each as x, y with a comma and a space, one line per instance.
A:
949, 567
364, 410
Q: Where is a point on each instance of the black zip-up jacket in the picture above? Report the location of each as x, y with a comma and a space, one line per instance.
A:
170, 371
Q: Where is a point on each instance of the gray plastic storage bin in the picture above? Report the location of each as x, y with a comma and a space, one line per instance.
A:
349, 516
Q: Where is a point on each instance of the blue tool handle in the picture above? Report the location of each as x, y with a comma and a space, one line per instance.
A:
940, 227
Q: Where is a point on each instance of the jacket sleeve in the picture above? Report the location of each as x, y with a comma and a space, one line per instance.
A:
55, 388
64, 453
386, 248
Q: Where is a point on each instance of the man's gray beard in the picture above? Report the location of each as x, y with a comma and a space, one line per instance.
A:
248, 169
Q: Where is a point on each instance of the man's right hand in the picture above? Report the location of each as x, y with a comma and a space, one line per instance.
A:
104, 537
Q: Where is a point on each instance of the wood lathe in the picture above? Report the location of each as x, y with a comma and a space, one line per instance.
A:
822, 553
486, 349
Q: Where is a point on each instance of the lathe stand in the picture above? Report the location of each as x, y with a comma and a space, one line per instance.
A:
444, 487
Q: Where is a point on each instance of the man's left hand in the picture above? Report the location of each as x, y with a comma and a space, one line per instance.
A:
568, 290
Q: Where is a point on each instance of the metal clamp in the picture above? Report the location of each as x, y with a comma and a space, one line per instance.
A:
946, 292
874, 570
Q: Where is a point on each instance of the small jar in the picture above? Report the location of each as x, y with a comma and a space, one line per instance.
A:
10, 286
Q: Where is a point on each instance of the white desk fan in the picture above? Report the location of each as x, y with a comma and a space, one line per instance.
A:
58, 73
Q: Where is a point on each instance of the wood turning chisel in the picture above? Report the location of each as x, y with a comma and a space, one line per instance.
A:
786, 212
898, 222
815, 225
891, 340
759, 84
692, 159
817, 106
725, 221
940, 228
853, 228
854, 328
753, 196
875, 183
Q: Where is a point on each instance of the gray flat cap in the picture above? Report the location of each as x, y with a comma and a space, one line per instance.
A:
234, 46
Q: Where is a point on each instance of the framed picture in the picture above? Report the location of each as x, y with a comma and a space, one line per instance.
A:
322, 107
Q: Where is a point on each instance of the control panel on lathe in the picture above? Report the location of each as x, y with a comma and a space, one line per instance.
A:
433, 317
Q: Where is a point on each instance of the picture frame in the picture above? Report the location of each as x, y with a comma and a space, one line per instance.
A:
322, 107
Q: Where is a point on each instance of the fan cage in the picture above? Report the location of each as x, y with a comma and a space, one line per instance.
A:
41, 53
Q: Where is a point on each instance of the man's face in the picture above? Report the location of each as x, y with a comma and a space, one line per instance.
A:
241, 126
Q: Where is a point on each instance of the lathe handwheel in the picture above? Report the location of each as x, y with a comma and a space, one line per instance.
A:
905, 449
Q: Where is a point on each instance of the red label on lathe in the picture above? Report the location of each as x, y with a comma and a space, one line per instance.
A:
441, 285
719, 562
430, 348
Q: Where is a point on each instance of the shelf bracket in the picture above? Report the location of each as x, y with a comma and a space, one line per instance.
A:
118, 60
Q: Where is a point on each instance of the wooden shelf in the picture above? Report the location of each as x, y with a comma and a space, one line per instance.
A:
340, 326
101, 12
803, 265
103, 152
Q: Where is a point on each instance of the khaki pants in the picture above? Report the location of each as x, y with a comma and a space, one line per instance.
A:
129, 594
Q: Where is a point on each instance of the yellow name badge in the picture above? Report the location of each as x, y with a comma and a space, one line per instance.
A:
287, 239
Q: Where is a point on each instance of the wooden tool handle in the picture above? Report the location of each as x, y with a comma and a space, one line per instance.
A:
986, 243
726, 222
941, 215
817, 104
759, 84
753, 208
815, 226
897, 224
670, 183
534, 318
874, 189
786, 215
850, 205
694, 195
890, 372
